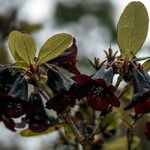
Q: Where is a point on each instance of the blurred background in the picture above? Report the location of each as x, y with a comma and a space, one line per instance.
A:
91, 22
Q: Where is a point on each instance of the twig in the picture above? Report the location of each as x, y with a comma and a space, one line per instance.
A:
45, 90
73, 127
98, 125
119, 79
44, 95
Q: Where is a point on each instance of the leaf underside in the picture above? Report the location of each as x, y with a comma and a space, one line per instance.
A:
132, 29
53, 47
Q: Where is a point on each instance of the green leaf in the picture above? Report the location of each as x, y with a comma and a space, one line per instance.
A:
54, 46
29, 132
111, 121
128, 94
121, 144
11, 42
132, 29
124, 116
24, 45
146, 65
68, 130
141, 58
20, 64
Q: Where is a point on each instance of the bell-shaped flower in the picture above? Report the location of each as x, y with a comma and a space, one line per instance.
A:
17, 98
67, 59
141, 98
8, 121
61, 101
61, 86
4, 117
58, 81
97, 89
36, 116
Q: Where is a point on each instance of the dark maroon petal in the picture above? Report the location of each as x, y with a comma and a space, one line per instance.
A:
19, 90
40, 127
71, 67
67, 59
140, 82
69, 55
106, 73
36, 111
100, 82
15, 110
97, 104
57, 80
36, 115
8, 122
60, 102
113, 100
143, 107
148, 126
82, 79
147, 134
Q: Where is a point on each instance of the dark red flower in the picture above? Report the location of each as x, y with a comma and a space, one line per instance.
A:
36, 116
57, 81
16, 100
141, 98
147, 133
61, 86
67, 59
61, 101
98, 90
8, 122
4, 117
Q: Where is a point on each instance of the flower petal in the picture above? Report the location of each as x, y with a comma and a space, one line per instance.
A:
97, 104
143, 107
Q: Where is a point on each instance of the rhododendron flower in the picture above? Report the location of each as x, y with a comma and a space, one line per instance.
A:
98, 90
67, 59
61, 86
17, 98
8, 121
141, 98
36, 115
57, 81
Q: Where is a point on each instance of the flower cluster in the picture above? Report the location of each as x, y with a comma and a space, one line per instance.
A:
43, 92
29, 94
141, 98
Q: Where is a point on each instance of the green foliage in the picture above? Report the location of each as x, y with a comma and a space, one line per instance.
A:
129, 92
23, 48
23, 45
29, 132
132, 29
54, 46
121, 144
20, 65
11, 42
68, 130
111, 121
146, 65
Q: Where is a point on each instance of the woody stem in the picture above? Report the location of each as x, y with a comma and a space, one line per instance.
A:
73, 127
98, 125
119, 79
